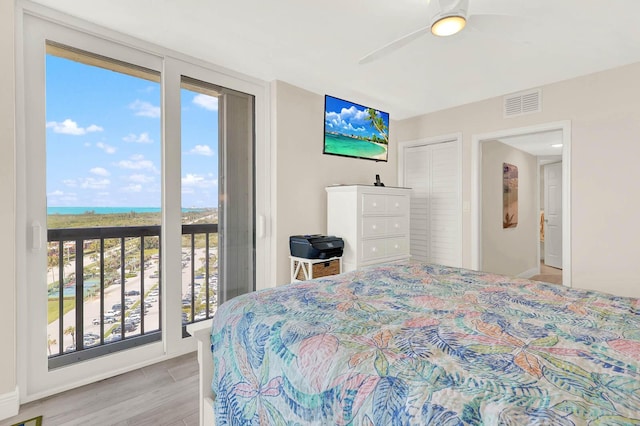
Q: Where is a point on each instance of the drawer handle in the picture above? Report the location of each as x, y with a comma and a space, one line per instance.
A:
374, 204
396, 246
397, 204
397, 225
374, 227
373, 249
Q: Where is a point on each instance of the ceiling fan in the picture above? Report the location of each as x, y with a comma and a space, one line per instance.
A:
446, 17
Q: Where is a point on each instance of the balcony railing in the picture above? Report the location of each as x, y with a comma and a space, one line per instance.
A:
106, 296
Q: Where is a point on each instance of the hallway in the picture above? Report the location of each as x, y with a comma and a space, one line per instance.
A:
548, 275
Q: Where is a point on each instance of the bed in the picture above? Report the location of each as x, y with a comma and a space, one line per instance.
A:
414, 343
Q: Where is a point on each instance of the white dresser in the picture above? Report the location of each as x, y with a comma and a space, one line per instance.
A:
373, 221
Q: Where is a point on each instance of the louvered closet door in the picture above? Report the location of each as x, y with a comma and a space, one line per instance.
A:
417, 172
432, 172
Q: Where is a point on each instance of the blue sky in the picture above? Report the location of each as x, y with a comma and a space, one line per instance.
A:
349, 118
104, 144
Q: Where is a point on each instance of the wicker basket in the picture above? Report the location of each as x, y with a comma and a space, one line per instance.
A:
322, 269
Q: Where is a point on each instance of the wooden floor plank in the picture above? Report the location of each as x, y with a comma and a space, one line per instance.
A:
162, 394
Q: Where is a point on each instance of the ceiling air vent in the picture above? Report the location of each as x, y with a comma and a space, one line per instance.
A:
522, 103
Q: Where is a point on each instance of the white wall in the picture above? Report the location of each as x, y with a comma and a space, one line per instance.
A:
7, 212
511, 251
303, 171
605, 129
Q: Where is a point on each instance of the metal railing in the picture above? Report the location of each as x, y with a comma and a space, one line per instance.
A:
107, 294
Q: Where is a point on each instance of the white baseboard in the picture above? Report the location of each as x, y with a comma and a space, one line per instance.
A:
531, 272
9, 404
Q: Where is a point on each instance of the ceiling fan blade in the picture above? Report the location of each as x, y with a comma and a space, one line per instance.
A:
396, 44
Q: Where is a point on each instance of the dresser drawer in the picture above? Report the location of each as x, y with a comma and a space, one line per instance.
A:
374, 204
396, 247
397, 205
373, 249
397, 225
374, 226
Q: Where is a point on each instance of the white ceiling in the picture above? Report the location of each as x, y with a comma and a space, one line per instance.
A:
317, 45
538, 144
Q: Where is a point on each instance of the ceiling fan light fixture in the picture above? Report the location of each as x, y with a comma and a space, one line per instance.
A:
448, 25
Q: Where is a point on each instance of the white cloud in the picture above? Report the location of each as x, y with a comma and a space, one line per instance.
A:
197, 181
106, 148
354, 115
71, 183
100, 171
142, 138
61, 196
349, 126
202, 150
207, 102
137, 162
93, 183
345, 119
70, 127
94, 128
140, 178
145, 109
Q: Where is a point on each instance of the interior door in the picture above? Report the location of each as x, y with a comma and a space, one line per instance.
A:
432, 173
553, 215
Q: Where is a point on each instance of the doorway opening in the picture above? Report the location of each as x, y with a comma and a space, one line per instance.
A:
535, 141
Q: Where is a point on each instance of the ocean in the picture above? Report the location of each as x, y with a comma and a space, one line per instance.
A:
342, 145
111, 210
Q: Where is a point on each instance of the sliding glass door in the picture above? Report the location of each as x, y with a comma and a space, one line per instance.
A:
138, 178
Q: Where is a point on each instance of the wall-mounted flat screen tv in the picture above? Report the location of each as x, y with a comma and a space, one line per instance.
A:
353, 130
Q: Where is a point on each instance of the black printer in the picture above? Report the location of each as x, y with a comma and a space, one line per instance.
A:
316, 246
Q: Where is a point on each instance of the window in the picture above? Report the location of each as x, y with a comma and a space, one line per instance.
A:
138, 174
105, 114
200, 195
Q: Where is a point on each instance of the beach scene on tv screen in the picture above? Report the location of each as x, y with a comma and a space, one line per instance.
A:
354, 130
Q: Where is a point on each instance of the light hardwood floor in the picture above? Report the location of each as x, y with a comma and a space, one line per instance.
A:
162, 394
548, 274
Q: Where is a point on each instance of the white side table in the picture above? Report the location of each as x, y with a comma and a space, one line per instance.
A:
308, 269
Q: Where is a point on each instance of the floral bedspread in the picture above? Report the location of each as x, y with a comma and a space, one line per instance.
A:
430, 345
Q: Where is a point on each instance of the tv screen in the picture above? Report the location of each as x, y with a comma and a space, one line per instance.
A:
353, 130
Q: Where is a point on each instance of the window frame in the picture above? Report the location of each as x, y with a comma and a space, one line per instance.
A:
35, 24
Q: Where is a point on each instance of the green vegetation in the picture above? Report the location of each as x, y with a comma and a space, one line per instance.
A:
69, 304
91, 219
377, 122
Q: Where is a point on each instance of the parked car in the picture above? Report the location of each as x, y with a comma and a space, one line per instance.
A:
128, 326
131, 293
113, 338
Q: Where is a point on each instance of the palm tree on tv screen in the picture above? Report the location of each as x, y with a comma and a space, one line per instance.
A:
378, 123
